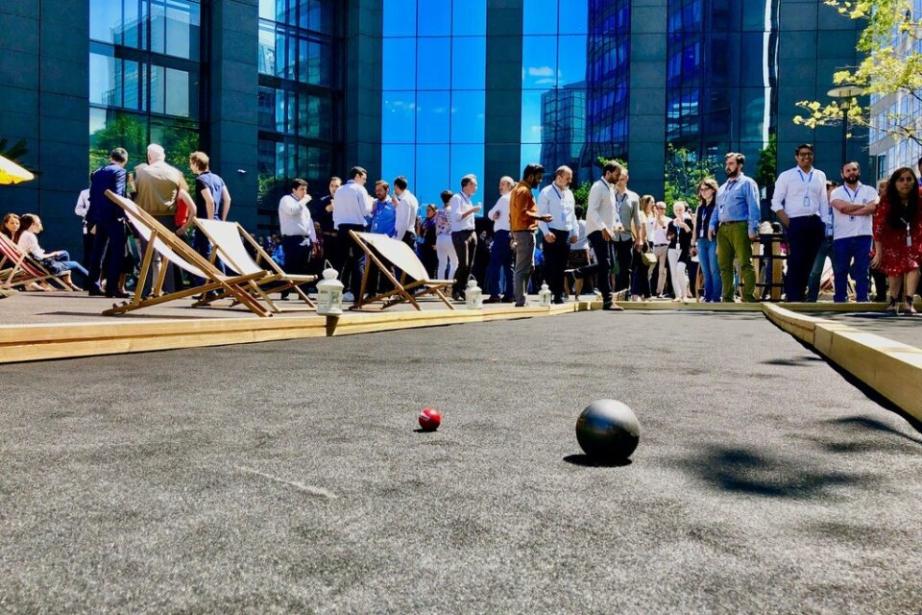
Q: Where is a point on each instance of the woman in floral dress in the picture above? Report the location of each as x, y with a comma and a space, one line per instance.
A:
898, 239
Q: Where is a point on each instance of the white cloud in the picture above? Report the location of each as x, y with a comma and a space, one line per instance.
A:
540, 71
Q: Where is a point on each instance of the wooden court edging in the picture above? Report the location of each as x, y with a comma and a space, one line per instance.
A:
20, 343
891, 368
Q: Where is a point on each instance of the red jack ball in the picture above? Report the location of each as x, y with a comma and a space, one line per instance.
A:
430, 419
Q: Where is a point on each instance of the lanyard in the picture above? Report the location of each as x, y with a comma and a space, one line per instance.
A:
806, 181
852, 197
559, 196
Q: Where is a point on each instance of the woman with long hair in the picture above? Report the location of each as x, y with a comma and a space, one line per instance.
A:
640, 276
58, 262
707, 248
10, 226
898, 239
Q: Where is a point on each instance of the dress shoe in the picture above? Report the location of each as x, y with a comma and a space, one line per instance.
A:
508, 300
492, 299
95, 291
117, 295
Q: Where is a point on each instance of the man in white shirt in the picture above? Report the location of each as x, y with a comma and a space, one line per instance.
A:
602, 223
557, 201
463, 233
499, 272
351, 205
299, 239
407, 209
802, 205
81, 209
853, 206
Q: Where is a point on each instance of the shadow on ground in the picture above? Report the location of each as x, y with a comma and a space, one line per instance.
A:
739, 470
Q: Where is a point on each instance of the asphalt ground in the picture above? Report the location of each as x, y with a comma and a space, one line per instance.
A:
289, 476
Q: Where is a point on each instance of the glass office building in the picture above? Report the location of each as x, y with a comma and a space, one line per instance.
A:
300, 86
433, 93
145, 77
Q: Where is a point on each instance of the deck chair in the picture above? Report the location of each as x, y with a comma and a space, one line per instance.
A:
381, 251
241, 288
19, 269
227, 239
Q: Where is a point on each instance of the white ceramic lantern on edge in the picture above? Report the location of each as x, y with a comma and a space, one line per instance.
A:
473, 296
544, 295
329, 293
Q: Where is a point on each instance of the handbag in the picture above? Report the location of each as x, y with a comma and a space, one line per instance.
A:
649, 258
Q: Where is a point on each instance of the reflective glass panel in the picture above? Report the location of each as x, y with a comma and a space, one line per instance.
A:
469, 17
398, 63
398, 117
434, 66
432, 120
433, 18
467, 117
399, 17
469, 59
539, 60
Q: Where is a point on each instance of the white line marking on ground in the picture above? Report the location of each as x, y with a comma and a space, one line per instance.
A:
299, 486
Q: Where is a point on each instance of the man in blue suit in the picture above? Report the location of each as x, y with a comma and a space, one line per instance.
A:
106, 219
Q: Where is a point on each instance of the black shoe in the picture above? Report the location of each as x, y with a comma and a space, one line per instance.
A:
508, 300
558, 301
117, 295
492, 299
95, 291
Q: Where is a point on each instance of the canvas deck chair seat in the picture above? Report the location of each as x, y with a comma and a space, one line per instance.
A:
19, 269
385, 254
228, 239
241, 288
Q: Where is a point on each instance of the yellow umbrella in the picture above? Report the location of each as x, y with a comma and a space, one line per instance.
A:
12, 173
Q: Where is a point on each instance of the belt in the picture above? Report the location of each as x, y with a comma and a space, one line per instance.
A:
660, 245
733, 222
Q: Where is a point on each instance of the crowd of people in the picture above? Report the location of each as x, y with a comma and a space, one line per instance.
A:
616, 242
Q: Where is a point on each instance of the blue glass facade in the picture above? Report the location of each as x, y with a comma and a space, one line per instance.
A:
434, 93
721, 79
299, 67
145, 69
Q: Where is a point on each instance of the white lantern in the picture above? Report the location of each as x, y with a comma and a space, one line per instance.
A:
544, 295
329, 293
473, 296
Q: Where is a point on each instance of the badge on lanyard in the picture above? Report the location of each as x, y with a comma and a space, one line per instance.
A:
908, 234
806, 182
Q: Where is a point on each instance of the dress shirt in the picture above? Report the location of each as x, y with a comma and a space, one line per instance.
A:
502, 210
600, 212
627, 204
738, 201
407, 209
582, 241
802, 194
659, 232
460, 204
561, 205
83, 203
295, 218
351, 204
845, 225
384, 219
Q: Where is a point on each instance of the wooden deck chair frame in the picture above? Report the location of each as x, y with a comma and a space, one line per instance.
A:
402, 290
18, 268
241, 288
276, 279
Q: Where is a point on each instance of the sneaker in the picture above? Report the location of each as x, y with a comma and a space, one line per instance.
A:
347, 296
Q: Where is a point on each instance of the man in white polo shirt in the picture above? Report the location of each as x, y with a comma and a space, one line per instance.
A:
350, 207
853, 206
802, 205
463, 235
556, 200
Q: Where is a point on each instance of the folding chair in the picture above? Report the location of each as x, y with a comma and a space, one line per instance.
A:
241, 288
228, 238
19, 269
380, 248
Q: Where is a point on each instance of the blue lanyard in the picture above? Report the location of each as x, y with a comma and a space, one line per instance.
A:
852, 197
806, 180
559, 196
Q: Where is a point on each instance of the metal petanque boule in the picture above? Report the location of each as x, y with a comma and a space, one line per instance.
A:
607, 430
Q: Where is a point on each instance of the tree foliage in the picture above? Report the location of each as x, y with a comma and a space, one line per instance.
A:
684, 171
892, 64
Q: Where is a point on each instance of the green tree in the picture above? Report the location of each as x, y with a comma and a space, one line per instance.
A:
892, 64
684, 171
581, 193
767, 167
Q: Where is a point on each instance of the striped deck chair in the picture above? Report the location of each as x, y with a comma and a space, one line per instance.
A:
19, 269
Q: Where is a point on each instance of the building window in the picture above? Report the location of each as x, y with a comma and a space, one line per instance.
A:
298, 97
145, 77
433, 103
